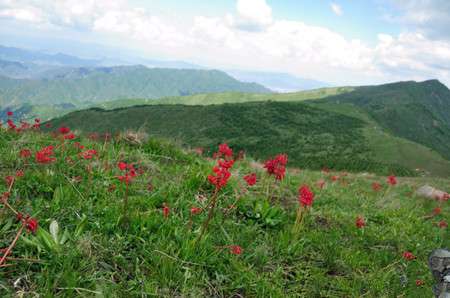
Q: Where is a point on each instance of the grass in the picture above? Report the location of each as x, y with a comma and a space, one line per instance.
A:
156, 256
314, 134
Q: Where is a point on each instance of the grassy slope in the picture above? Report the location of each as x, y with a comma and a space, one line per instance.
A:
312, 137
156, 256
342, 136
390, 148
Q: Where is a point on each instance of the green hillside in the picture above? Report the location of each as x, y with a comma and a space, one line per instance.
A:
81, 85
73, 229
313, 136
419, 112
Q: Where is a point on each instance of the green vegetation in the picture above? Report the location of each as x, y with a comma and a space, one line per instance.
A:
313, 137
419, 112
93, 253
94, 85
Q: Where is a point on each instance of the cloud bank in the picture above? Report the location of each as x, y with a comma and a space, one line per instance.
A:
252, 38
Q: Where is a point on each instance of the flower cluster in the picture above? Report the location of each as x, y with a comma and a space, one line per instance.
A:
130, 172
277, 166
45, 155
305, 196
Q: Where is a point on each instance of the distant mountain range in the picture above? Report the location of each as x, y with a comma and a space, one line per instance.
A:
21, 63
82, 84
367, 128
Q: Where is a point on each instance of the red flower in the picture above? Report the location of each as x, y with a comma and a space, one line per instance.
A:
360, 223
20, 173
37, 120
196, 210
64, 130
9, 180
78, 145
48, 125
220, 179
437, 211
227, 164
419, 282
250, 179
277, 166
235, 249
442, 224
305, 196
11, 124
334, 178
45, 155
69, 136
31, 225
376, 186
9, 113
122, 166
225, 150
88, 154
392, 180
166, 210
408, 256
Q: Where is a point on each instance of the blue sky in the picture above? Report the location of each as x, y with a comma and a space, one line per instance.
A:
344, 42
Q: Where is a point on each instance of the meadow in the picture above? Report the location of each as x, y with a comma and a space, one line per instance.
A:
126, 215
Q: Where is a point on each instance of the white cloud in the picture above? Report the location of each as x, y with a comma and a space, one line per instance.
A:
253, 15
251, 38
336, 8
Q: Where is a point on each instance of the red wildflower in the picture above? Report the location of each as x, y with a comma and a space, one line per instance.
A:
227, 164
37, 120
19, 216
9, 113
360, 222
392, 180
235, 249
196, 210
277, 166
305, 196
11, 124
166, 210
9, 180
25, 153
376, 186
20, 173
334, 178
122, 166
408, 256
45, 155
78, 145
88, 154
48, 125
220, 178
69, 136
419, 282
64, 130
437, 211
32, 225
443, 224
224, 150
250, 179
